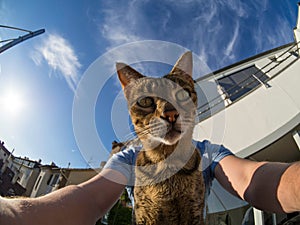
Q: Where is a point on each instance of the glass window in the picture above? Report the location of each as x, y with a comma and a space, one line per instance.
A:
49, 179
37, 183
54, 180
240, 83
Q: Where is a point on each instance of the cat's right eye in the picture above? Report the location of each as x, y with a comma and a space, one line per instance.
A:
145, 102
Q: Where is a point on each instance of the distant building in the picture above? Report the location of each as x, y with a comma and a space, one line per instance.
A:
26, 173
8, 174
46, 181
25, 177
52, 178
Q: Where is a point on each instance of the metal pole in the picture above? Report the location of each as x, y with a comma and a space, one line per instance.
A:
296, 136
20, 39
258, 217
274, 219
15, 28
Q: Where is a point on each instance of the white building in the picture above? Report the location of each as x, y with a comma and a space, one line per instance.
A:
26, 172
52, 178
253, 108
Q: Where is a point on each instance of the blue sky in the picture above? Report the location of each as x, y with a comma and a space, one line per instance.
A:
39, 78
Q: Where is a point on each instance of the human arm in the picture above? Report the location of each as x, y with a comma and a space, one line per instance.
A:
268, 186
76, 204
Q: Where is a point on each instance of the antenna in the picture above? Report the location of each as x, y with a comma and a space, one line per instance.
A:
14, 41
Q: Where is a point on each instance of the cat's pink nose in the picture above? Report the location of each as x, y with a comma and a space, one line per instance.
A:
170, 115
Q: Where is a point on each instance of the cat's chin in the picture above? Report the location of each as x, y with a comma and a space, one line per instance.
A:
167, 142
154, 142
171, 138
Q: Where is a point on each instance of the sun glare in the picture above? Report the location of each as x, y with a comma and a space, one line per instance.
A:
12, 102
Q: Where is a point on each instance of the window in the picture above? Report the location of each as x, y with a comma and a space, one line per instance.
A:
49, 180
54, 180
240, 83
37, 183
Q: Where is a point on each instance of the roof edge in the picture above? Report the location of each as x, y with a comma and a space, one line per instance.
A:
245, 61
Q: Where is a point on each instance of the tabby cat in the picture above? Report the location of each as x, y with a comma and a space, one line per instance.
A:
169, 187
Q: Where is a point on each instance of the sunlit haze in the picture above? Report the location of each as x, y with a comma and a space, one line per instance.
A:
12, 103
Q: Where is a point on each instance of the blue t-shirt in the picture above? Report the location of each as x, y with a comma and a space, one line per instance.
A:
211, 155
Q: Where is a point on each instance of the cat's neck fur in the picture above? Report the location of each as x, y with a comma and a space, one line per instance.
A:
160, 152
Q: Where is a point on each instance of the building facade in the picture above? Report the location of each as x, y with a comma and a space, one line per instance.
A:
25, 177
8, 174
52, 178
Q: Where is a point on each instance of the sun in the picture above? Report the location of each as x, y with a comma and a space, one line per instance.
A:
12, 102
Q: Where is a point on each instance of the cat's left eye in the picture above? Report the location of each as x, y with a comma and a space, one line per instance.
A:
145, 102
183, 95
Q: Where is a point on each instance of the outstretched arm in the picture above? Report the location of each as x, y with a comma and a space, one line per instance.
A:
77, 204
269, 186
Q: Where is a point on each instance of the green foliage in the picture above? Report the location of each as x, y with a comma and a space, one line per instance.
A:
124, 197
119, 215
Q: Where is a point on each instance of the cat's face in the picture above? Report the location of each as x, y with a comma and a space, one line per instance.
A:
162, 109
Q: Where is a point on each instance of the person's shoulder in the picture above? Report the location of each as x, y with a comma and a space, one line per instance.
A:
202, 143
130, 149
206, 147
202, 146
126, 156
127, 153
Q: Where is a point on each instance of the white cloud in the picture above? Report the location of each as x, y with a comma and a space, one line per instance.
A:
230, 45
119, 23
208, 14
117, 34
58, 53
236, 6
219, 31
272, 33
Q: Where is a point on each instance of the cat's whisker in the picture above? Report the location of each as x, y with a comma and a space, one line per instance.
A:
152, 128
187, 122
130, 135
143, 134
156, 126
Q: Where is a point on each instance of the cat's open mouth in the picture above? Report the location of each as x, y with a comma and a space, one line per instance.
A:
173, 135
174, 131
174, 128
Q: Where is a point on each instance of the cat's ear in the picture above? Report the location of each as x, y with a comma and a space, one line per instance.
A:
184, 64
126, 74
